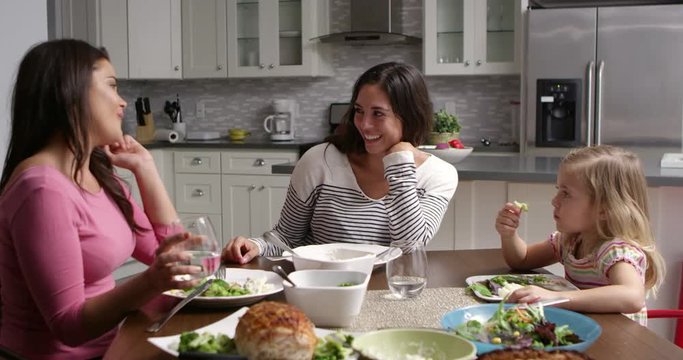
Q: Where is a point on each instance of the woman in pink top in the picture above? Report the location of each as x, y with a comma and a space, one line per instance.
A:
66, 220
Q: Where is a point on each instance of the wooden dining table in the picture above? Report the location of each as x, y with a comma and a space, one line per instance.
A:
621, 337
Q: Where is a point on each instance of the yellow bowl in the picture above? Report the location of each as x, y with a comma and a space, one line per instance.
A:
238, 134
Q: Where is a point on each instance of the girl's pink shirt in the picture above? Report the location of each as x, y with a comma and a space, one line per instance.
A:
59, 246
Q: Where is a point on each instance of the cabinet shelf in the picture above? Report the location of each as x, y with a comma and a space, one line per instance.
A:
290, 34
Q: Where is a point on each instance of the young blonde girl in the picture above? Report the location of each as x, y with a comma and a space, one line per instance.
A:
603, 235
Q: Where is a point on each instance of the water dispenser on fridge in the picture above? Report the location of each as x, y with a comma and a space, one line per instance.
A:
558, 112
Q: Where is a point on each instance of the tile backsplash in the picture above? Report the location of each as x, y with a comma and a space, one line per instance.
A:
481, 102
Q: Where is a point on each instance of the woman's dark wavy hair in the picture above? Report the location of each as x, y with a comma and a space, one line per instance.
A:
409, 99
51, 98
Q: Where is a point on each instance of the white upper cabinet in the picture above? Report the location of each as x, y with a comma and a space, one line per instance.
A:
101, 23
154, 42
204, 39
472, 37
272, 38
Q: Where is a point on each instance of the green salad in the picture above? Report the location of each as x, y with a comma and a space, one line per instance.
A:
518, 327
502, 285
335, 346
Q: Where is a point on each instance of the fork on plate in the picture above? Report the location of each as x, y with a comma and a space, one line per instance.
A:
219, 273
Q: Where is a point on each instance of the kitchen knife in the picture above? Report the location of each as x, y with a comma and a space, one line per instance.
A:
139, 112
146, 107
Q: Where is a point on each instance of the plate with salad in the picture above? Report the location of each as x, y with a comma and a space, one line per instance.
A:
218, 338
498, 326
240, 287
497, 287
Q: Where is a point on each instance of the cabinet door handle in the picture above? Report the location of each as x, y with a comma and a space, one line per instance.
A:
198, 192
271, 66
262, 66
478, 62
261, 187
196, 161
252, 187
176, 68
220, 67
467, 63
260, 162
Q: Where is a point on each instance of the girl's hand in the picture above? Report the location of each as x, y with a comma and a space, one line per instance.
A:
167, 264
507, 221
128, 153
240, 250
531, 294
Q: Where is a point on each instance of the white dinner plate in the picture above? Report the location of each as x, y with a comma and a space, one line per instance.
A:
552, 282
225, 326
376, 249
239, 275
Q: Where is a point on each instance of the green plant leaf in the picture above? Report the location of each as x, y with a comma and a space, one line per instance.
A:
445, 122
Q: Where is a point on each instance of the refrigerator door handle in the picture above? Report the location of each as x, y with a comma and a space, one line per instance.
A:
590, 68
598, 102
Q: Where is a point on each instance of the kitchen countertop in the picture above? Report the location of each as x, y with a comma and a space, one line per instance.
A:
302, 144
527, 168
480, 165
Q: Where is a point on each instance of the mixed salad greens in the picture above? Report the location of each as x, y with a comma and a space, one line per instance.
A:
336, 346
222, 288
206, 342
518, 327
503, 285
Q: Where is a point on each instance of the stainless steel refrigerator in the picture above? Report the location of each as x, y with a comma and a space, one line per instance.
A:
610, 75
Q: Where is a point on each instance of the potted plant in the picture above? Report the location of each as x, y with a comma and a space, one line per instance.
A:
446, 127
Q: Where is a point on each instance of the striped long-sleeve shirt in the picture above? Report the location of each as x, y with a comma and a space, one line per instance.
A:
325, 204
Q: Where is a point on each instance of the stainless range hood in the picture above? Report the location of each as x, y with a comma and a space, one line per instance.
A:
546, 4
373, 22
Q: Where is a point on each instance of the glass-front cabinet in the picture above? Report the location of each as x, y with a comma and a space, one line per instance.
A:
469, 37
272, 38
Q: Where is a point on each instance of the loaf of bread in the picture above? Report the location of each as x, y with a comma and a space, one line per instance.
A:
272, 330
530, 354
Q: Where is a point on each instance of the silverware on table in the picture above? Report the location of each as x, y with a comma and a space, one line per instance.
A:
218, 273
280, 271
543, 303
271, 237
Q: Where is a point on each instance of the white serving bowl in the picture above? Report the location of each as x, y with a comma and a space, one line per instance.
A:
451, 155
333, 257
318, 294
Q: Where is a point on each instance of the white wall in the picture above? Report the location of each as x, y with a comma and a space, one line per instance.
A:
22, 24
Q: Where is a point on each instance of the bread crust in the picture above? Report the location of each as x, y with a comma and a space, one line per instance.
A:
273, 330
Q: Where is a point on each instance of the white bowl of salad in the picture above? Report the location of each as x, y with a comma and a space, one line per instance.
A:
499, 326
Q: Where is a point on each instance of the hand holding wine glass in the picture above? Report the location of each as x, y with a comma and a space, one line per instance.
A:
204, 248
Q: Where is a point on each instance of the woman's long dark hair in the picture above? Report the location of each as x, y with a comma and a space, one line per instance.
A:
409, 99
51, 98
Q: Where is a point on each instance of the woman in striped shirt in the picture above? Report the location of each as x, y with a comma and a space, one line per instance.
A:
368, 183
603, 240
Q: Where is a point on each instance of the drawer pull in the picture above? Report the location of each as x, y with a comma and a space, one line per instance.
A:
198, 192
196, 161
260, 162
261, 188
252, 187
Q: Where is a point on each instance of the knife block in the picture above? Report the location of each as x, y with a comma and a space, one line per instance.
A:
145, 133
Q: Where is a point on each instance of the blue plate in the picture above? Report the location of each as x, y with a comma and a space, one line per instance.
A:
583, 326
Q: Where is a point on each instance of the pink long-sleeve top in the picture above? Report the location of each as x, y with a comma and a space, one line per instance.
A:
59, 246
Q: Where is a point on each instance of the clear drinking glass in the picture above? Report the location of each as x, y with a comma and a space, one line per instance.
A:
407, 274
205, 252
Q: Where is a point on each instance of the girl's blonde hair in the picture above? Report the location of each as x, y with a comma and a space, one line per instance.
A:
616, 183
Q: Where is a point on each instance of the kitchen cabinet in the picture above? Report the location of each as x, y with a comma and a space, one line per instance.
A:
154, 41
101, 23
252, 196
472, 37
271, 38
252, 203
198, 185
204, 33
